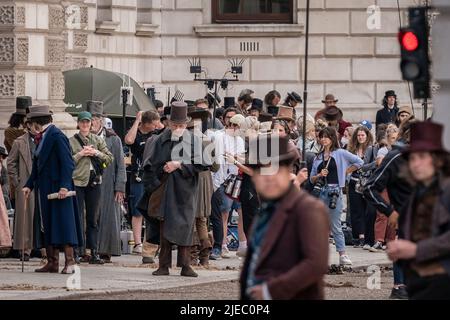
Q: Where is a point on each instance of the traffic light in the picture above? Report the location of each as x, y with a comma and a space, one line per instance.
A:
415, 61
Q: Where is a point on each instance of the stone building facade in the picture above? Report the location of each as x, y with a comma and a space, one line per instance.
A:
354, 52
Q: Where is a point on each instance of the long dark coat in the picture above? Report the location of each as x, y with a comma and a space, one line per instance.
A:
177, 204
19, 170
53, 167
114, 180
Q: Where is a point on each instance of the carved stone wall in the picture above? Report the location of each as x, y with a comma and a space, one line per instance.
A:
6, 49
20, 84
55, 51
7, 85
20, 15
80, 40
22, 51
6, 15
56, 17
57, 88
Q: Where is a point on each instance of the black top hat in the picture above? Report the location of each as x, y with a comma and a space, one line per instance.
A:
270, 149
178, 112
198, 113
257, 104
3, 152
22, 103
273, 110
95, 108
426, 136
265, 117
390, 93
39, 111
295, 96
229, 102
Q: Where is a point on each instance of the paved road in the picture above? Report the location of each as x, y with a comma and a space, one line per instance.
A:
127, 274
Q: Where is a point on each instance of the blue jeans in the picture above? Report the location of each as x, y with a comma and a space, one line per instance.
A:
136, 192
398, 274
335, 216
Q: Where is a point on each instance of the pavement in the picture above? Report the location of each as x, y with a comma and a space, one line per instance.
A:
127, 274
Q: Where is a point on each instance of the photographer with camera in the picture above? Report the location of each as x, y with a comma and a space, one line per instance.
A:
328, 175
143, 127
91, 156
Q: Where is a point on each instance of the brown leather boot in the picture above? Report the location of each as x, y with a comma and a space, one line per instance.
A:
205, 251
184, 256
165, 258
69, 266
52, 265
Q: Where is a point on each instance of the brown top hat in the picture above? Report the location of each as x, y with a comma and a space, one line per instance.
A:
426, 137
95, 108
332, 113
22, 103
285, 113
39, 111
269, 149
330, 97
178, 112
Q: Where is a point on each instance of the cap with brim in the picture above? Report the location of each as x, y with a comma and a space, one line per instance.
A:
84, 115
95, 108
295, 96
330, 97
332, 113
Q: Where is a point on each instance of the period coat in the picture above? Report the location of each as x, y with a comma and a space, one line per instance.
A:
19, 166
177, 204
114, 180
5, 233
294, 253
53, 168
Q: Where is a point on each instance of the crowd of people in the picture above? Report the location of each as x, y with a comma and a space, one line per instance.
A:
194, 163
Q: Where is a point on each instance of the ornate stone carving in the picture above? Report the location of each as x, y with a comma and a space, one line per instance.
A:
84, 14
56, 51
6, 49
20, 15
20, 84
56, 17
6, 15
80, 40
7, 85
57, 88
75, 63
22, 50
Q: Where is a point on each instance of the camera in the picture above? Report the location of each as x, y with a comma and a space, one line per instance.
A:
334, 197
320, 183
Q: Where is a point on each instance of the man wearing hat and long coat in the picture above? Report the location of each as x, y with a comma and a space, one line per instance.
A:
388, 114
169, 185
112, 187
52, 171
19, 164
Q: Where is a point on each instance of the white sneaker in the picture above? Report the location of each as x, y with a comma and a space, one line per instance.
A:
345, 260
366, 247
242, 252
137, 249
377, 247
225, 253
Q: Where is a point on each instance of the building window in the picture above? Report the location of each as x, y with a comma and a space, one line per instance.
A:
104, 10
252, 11
144, 11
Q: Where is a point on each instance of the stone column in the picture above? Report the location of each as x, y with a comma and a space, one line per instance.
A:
441, 66
33, 46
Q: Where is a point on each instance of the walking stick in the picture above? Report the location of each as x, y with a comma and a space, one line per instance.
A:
23, 232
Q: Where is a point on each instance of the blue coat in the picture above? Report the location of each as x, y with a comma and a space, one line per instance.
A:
53, 166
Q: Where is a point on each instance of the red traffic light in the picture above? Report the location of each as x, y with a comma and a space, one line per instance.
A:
409, 41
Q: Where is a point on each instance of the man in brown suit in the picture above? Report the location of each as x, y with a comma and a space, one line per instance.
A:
287, 256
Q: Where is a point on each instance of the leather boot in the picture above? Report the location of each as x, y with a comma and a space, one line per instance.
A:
70, 260
165, 258
186, 269
195, 251
52, 265
205, 251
